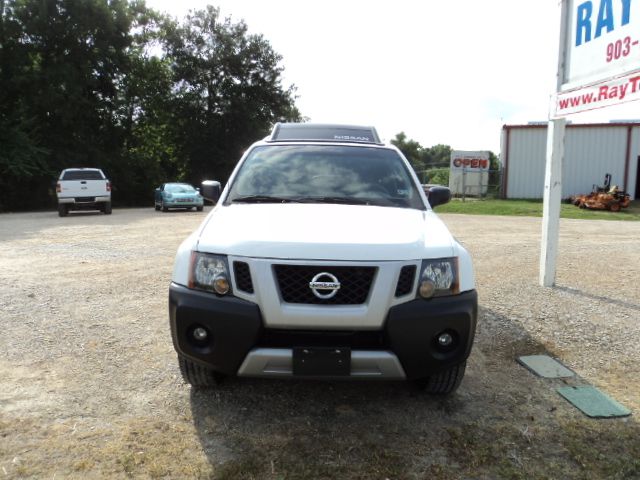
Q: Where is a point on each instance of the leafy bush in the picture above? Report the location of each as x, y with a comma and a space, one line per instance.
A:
439, 176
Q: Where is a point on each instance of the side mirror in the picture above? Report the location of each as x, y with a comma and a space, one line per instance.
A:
211, 190
438, 196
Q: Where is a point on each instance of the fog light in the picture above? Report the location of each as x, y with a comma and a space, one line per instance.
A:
200, 334
445, 339
427, 289
221, 285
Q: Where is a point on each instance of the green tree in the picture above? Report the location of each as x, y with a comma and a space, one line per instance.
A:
437, 156
22, 158
144, 114
228, 91
412, 150
116, 85
69, 56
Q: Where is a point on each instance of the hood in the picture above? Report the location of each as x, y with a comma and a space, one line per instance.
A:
324, 232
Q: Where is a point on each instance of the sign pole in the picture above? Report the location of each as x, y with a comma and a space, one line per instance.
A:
552, 200
553, 172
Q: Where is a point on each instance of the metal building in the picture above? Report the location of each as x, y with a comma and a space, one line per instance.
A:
591, 151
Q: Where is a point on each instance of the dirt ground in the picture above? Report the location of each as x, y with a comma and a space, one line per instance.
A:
90, 388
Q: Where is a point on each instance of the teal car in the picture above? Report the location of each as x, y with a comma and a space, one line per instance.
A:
177, 195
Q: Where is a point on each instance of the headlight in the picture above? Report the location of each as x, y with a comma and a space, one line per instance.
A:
209, 272
438, 277
168, 196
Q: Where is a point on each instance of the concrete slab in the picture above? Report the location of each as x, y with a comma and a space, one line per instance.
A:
545, 366
593, 403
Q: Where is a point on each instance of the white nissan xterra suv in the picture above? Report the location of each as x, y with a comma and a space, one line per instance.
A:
323, 258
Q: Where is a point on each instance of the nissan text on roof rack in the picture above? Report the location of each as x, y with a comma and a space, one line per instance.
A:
323, 259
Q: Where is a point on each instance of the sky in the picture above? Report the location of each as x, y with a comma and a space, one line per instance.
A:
443, 72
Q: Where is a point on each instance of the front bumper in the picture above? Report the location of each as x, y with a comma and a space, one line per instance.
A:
239, 344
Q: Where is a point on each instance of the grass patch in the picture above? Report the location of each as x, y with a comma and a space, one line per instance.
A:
580, 450
514, 449
140, 448
309, 457
533, 208
603, 450
155, 449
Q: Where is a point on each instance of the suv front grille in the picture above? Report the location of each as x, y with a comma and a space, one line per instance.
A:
405, 281
293, 282
243, 276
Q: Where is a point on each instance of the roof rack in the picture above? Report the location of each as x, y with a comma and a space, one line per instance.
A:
322, 132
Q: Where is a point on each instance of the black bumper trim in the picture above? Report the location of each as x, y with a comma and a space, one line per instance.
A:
235, 327
412, 328
233, 324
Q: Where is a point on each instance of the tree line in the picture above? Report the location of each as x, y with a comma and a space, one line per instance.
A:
432, 163
116, 85
148, 98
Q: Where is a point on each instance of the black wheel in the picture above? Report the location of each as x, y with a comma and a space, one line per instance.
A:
197, 375
163, 207
63, 210
156, 206
199, 209
107, 208
443, 383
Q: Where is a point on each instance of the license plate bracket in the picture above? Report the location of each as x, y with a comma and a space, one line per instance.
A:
322, 361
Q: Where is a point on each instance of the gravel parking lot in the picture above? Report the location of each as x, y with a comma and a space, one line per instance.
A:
89, 384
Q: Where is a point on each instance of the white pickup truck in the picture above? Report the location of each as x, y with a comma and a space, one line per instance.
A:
83, 189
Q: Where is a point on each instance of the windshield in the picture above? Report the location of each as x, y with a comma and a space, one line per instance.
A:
325, 174
179, 188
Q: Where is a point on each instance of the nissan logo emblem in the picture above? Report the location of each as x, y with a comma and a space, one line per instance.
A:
324, 285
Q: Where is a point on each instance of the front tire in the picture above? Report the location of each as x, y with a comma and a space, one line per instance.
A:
199, 209
443, 383
197, 375
107, 208
163, 207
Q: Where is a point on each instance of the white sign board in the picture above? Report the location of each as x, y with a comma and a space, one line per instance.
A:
600, 55
469, 174
624, 88
598, 66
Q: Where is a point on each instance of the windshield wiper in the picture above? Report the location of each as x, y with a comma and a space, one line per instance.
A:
341, 200
325, 199
262, 199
